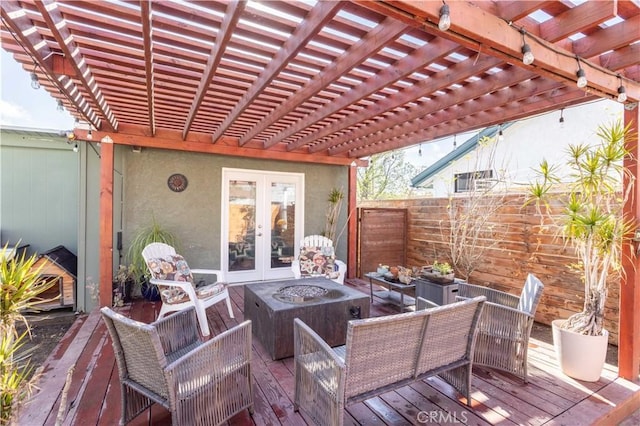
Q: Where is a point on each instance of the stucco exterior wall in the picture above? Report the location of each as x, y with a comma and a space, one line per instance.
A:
194, 215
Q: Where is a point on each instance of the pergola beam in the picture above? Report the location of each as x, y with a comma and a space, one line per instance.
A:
549, 101
375, 40
137, 136
429, 53
482, 87
231, 17
147, 41
20, 27
477, 29
318, 17
56, 24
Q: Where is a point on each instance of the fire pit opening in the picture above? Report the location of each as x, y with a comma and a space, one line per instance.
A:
301, 293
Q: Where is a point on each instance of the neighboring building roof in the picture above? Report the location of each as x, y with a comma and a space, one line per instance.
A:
31, 131
466, 147
61, 256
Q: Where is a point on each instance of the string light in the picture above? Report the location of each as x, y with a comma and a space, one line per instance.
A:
582, 78
500, 134
75, 147
60, 105
34, 80
561, 120
454, 142
527, 54
420, 150
89, 135
445, 18
622, 92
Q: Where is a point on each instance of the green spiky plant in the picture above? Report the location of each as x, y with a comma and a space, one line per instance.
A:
153, 233
336, 196
20, 290
592, 220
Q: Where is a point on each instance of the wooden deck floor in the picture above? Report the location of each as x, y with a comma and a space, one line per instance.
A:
85, 356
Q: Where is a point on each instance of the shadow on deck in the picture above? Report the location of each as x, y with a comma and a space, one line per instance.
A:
84, 359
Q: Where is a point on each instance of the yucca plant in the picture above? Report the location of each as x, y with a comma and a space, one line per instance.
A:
20, 290
336, 196
592, 219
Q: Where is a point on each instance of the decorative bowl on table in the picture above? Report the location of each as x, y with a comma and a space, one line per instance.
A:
405, 279
382, 270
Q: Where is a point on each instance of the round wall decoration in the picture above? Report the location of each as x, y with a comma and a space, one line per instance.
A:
177, 182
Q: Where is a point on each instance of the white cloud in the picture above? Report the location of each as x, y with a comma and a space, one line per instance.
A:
13, 115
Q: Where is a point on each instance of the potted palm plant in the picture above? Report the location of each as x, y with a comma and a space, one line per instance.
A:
589, 216
153, 233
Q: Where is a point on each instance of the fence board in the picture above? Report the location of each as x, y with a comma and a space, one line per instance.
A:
526, 244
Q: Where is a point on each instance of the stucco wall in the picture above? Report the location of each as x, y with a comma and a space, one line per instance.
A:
194, 215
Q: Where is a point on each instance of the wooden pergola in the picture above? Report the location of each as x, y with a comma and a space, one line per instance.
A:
326, 82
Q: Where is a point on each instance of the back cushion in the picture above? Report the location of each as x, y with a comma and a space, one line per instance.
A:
171, 268
316, 261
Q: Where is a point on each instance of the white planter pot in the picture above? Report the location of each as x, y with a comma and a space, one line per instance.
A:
581, 357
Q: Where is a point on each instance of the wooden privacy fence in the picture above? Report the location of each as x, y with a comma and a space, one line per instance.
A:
519, 245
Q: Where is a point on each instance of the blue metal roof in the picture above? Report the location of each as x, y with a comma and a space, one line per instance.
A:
466, 147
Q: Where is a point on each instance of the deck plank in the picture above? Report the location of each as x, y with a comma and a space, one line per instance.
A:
497, 397
42, 408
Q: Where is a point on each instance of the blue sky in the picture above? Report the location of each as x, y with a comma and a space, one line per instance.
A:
23, 106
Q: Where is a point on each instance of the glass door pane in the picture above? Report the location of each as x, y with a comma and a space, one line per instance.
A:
282, 224
242, 225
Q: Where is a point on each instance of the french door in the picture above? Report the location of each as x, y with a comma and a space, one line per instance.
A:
262, 219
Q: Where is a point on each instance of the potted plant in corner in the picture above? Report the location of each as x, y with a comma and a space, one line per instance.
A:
123, 282
153, 233
588, 214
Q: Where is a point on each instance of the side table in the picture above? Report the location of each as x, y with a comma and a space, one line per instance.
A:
395, 294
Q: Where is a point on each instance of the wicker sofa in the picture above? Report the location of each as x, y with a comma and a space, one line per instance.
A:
381, 354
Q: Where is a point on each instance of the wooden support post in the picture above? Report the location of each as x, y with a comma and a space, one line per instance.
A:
629, 328
106, 222
352, 221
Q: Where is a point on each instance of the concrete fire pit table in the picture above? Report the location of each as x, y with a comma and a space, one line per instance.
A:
324, 305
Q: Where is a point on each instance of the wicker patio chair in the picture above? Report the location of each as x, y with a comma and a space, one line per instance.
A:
505, 325
165, 362
170, 272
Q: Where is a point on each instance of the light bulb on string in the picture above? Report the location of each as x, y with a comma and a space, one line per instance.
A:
445, 18
60, 106
582, 77
34, 81
527, 54
420, 150
622, 92
500, 134
561, 119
